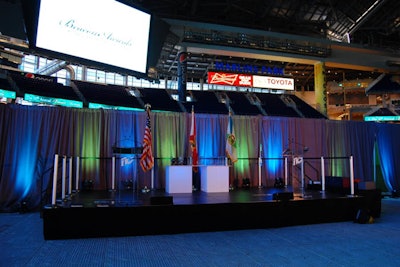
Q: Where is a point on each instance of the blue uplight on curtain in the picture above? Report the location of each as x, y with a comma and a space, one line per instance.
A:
274, 137
211, 141
388, 149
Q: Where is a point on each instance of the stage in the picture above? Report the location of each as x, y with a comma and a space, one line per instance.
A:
90, 214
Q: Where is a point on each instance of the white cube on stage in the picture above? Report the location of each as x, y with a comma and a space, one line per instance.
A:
214, 178
178, 179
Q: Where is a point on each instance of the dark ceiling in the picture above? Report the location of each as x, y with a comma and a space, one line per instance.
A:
324, 18
371, 23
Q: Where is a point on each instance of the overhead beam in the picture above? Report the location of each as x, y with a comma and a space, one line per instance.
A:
343, 55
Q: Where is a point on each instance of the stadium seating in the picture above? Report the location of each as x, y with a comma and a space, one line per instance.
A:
208, 102
307, 110
107, 94
274, 106
43, 86
159, 99
241, 105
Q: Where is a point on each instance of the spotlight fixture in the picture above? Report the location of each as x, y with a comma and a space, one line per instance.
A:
87, 185
23, 207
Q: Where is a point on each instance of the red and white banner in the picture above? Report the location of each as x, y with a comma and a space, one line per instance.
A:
231, 79
246, 80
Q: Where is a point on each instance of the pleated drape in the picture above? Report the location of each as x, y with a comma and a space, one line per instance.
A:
30, 136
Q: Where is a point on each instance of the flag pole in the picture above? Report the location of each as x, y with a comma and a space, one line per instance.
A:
148, 106
230, 147
194, 159
191, 127
147, 159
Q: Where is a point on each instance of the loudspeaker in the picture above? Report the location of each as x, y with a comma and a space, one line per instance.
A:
282, 196
161, 200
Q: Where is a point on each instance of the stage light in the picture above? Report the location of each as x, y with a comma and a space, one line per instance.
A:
87, 185
23, 206
246, 183
145, 190
279, 183
128, 184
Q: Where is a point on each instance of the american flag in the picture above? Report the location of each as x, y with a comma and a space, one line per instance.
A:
147, 160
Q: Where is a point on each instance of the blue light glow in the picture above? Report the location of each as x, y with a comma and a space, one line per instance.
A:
25, 171
25, 165
273, 136
272, 152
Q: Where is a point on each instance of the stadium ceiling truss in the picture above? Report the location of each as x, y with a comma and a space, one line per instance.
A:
370, 23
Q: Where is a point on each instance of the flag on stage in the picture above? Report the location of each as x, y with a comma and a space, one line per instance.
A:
231, 141
146, 159
193, 143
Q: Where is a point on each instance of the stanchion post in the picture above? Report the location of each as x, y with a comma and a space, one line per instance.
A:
322, 174
286, 171
259, 172
55, 174
113, 173
64, 173
302, 172
77, 174
70, 177
351, 176
259, 167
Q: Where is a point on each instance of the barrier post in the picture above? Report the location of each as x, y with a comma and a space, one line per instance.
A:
302, 172
77, 175
286, 171
113, 173
259, 167
64, 173
351, 176
55, 174
322, 174
259, 172
70, 177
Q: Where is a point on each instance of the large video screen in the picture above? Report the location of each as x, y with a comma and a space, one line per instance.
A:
105, 31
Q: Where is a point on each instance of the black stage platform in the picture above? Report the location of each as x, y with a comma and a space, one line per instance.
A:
129, 213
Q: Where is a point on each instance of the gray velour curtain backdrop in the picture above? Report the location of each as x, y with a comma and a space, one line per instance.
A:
30, 136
